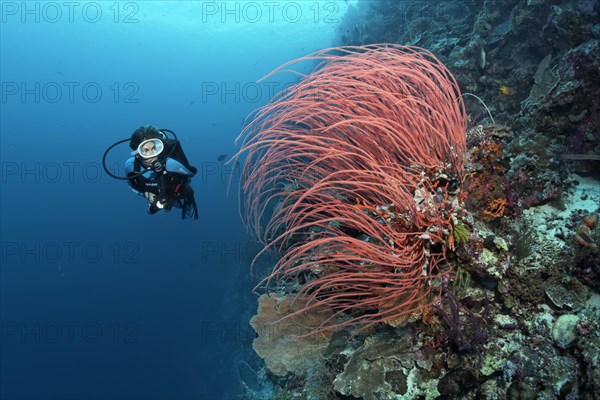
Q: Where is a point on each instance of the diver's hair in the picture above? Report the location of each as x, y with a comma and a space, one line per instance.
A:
142, 133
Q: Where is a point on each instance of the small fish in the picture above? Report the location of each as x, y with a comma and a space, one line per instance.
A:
482, 58
237, 164
213, 124
506, 91
59, 73
192, 102
221, 157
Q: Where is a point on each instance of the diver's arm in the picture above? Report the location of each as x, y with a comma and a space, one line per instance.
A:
133, 183
129, 165
176, 167
130, 170
138, 192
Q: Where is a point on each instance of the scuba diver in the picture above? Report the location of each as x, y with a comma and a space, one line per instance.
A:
159, 171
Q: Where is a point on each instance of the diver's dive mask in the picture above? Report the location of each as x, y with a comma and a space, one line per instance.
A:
149, 148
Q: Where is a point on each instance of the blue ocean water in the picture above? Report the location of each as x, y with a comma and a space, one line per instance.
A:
99, 300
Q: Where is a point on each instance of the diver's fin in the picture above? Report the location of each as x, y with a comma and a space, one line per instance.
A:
189, 208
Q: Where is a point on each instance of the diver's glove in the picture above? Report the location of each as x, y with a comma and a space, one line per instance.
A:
150, 196
160, 204
154, 207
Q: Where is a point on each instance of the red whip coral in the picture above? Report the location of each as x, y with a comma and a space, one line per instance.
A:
352, 174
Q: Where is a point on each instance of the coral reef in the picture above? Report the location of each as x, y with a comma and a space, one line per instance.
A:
283, 344
518, 316
366, 227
